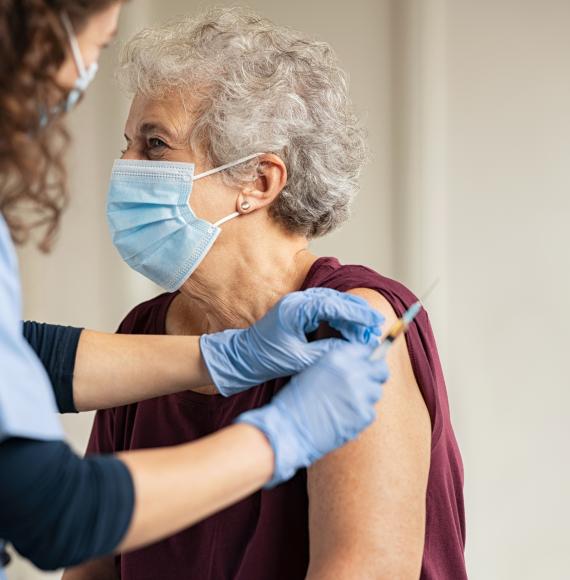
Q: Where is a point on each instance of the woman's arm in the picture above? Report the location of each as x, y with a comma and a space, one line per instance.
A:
93, 370
56, 347
367, 499
59, 509
304, 421
208, 475
118, 369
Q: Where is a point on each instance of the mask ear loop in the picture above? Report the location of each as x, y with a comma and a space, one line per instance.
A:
226, 166
227, 219
235, 214
75, 51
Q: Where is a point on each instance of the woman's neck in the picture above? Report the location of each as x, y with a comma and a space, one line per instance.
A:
236, 285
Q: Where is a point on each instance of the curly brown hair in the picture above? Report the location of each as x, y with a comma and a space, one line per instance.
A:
33, 43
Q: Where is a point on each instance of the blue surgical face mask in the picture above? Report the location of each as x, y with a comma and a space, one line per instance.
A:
151, 222
84, 79
85, 75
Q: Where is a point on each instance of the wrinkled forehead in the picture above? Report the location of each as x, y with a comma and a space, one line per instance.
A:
169, 115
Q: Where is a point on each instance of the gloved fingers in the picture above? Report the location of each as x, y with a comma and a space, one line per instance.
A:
325, 293
356, 332
375, 394
353, 353
379, 370
315, 350
366, 390
368, 375
338, 308
369, 417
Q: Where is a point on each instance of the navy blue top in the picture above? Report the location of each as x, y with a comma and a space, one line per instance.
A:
86, 505
55, 508
56, 347
59, 509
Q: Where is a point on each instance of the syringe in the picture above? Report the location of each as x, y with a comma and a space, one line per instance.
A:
401, 325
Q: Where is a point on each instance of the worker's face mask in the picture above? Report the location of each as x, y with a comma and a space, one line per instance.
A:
151, 222
85, 75
84, 79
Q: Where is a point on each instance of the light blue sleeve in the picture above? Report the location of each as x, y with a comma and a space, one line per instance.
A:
27, 404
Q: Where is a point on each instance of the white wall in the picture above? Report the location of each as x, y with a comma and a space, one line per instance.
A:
482, 184
468, 109
508, 191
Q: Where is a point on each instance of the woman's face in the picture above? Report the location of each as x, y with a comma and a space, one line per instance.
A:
159, 130
95, 35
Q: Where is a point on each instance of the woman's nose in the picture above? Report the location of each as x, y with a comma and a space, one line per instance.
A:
131, 153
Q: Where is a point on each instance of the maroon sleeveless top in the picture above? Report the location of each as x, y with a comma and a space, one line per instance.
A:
265, 536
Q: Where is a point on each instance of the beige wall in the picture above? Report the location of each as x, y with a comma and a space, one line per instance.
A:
508, 255
468, 109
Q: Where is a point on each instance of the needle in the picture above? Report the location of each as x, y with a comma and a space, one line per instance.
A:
402, 324
429, 290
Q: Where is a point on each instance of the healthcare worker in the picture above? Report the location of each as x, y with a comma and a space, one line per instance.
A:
58, 509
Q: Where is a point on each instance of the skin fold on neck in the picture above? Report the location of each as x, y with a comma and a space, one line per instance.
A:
241, 278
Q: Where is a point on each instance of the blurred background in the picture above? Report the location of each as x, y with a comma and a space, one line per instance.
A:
467, 104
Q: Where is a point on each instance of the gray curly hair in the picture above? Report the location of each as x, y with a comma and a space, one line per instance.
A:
260, 88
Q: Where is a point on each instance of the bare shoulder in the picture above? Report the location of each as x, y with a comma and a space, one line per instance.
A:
401, 371
369, 496
379, 302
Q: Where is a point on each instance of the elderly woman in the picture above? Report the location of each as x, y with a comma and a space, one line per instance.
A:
262, 114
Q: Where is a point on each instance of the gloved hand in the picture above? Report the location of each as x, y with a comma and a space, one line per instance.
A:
321, 408
276, 345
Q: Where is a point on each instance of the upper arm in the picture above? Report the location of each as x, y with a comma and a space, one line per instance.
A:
56, 347
367, 499
101, 441
58, 509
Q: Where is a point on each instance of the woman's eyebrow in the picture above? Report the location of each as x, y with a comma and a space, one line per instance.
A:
151, 127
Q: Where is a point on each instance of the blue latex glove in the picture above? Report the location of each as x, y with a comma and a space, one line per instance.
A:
276, 345
321, 408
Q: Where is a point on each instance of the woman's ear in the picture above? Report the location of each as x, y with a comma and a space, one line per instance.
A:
267, 186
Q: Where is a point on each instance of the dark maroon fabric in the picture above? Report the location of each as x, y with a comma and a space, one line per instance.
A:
265, 537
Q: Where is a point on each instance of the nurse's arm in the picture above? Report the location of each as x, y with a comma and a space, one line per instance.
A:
367, 499
95, 370
59, 510
143, 366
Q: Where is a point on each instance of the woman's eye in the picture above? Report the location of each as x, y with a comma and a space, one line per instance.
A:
156, 143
